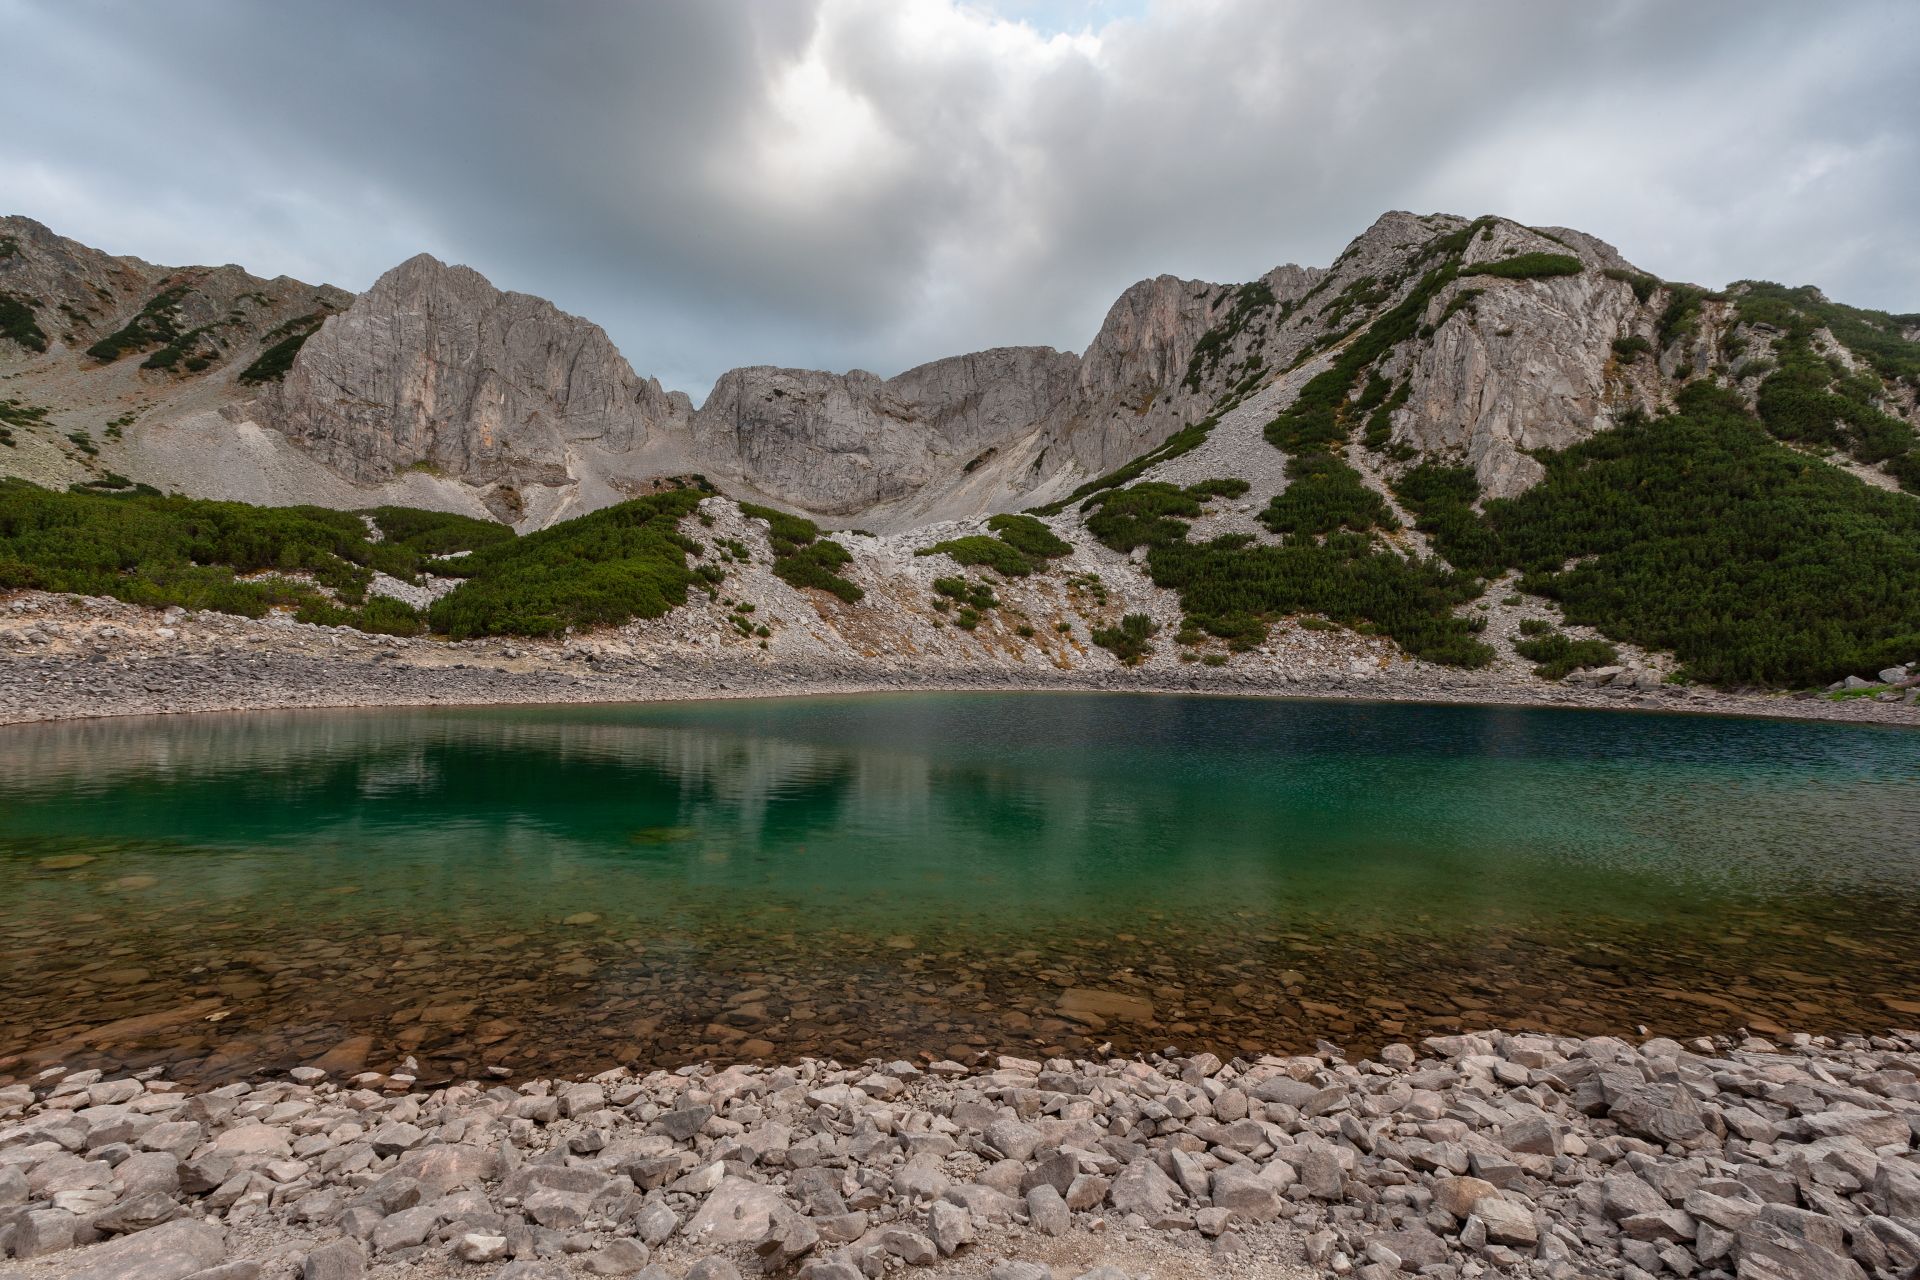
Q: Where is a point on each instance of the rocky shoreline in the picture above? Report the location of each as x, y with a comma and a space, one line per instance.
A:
73, 657
1469, 1155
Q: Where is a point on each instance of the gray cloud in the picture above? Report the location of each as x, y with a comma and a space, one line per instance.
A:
873, 183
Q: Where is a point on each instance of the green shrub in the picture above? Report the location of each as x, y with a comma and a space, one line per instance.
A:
816, 565
966, 591
1681, 318
1642, 284
1460, 301
1697, 534
1441, 499
1534, 627
1804, 400
1323, 494
1559, 656
1029, 536
1128, 641
1182, 441
801, 556
17, 323
284, 344
148, 549
18, 413
1631, 348
1219, 487
1875, 336
154, 325
980, 549
602, 569
437, 533
1529, 266
1144, 513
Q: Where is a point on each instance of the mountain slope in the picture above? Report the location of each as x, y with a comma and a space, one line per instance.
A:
106, 344
1467, 447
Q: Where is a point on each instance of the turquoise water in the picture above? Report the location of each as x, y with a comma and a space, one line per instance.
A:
929, 872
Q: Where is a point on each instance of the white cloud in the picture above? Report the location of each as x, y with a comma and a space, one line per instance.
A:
877, 182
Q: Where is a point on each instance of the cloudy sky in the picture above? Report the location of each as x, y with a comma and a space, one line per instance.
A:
874, 183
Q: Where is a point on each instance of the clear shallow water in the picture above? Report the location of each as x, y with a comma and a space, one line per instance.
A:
560, 888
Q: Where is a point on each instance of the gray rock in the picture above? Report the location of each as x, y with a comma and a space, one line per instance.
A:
1768, 1250
655, 1223
713, 1269
788, 1238
618, 1258
1896, 1189
480, 1247
1321, 1174
920, 1179
1458, 1196
137, 1213
435, 365
1144, 1189
1047, 1212
336, 1260
530, 1269
1019, 1271
246, 1269
170, 1252
949, 1226
35, 1233
829, 1269
737, 1212
1249, 1196
1506, 1223
682, 1124
405, 1229
1660, 1113
910, 1247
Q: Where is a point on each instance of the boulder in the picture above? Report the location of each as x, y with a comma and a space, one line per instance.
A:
170, 1252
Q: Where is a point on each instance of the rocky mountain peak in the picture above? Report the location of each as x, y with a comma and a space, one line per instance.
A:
434, 368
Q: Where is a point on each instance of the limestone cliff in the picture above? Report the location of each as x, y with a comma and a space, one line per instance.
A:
434, 368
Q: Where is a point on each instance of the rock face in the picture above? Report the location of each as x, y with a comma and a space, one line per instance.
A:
1526, 364
841, 444
434, 368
